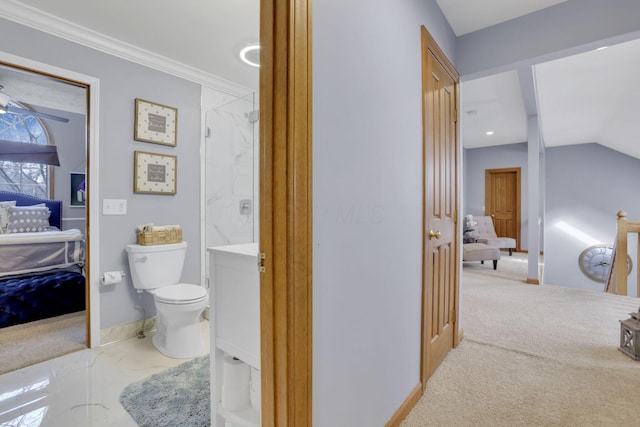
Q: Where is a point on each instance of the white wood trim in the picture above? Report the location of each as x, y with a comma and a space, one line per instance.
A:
53, 25
94, 207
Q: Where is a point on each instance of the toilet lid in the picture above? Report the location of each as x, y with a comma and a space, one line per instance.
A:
180, 293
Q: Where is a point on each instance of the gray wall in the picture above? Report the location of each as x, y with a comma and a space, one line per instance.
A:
120, 83
367, 193
477, 160
586, 185
70, 139
569, 27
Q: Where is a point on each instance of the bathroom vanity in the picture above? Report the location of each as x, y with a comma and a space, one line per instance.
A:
235, 330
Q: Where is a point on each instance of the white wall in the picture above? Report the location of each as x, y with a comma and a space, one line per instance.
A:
231, 172
367, 191
586, 186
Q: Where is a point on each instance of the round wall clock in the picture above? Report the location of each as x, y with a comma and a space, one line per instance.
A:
595, 262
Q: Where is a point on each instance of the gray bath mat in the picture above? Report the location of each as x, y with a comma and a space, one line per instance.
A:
178, 396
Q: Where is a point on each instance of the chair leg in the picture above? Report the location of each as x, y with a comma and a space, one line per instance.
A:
510, 251
495, 264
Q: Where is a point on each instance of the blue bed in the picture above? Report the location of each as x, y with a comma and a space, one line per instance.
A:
55, 206
50, 285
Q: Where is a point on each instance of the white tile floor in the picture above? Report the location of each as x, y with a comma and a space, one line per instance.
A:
82, 388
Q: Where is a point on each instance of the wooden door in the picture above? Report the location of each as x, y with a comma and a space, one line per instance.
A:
502, 201
440, 244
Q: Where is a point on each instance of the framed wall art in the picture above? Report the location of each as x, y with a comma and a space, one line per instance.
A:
155, 123
78, 190
154, 173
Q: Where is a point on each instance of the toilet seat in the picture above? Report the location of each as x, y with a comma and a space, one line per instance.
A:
181, 293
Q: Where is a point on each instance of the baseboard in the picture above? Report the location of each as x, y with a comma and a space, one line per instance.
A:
526, 251
124, 332
406, 407
132, 330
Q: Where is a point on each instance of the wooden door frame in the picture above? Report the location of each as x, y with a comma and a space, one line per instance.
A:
518, 172
286, 212
429, 43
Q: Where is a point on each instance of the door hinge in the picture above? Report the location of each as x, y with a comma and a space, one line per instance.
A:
261, 257
455, 317
455, 216
455, 114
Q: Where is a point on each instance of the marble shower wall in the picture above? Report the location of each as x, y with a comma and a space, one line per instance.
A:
232, 151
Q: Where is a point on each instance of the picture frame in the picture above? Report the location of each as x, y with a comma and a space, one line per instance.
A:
155, 123
77, 190
154, 173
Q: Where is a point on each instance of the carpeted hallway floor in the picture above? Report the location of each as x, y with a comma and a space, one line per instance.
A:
532, 356
35, 342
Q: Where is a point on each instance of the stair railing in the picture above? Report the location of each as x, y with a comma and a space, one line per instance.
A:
617, 278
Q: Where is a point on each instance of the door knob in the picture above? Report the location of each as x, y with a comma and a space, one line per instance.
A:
434, 234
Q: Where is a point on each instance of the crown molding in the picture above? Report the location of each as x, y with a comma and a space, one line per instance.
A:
58, 27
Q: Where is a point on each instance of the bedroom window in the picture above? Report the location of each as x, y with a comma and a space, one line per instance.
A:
20, 177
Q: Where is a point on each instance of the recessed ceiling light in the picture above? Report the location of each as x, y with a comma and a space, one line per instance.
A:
251, 55
489, 132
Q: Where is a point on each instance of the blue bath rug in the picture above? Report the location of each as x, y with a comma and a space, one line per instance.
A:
178, 396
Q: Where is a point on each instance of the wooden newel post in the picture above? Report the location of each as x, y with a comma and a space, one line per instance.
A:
621, 254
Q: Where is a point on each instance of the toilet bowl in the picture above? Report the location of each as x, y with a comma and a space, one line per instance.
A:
179, 306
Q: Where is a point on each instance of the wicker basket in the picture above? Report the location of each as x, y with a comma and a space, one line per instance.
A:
160, 237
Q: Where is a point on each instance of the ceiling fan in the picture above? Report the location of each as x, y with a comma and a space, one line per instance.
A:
10, 105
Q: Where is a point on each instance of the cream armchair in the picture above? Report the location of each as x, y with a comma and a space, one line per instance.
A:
486, 233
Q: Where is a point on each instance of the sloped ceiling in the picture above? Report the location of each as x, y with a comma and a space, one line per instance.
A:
592, 97
585, 98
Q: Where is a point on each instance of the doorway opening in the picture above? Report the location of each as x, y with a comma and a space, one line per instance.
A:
60, 288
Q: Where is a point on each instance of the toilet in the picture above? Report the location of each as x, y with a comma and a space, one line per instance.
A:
179, 306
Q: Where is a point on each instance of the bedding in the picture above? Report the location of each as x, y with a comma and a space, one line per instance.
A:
37, 252
41, 266
25, 219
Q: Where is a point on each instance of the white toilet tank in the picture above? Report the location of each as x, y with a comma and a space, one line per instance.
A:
155, 266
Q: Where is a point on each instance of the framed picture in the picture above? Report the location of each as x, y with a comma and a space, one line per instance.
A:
154, 173
155, 123
78, 190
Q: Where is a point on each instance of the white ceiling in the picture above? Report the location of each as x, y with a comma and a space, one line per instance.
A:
585, 98
579, 99
206, 35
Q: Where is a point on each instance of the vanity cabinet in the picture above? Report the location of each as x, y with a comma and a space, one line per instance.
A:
235, 324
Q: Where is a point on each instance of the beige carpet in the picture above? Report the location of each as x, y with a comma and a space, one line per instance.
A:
35, 342
533, 356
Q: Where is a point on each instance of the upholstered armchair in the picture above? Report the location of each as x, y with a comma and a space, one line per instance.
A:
486, 233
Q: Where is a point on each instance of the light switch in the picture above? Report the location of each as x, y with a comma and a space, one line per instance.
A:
114, 207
